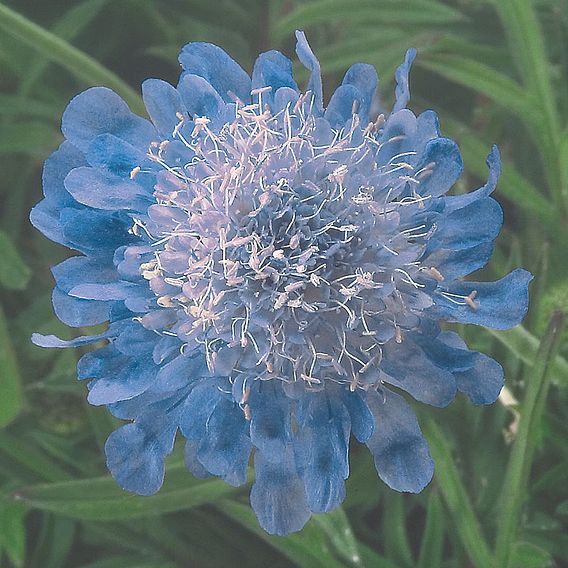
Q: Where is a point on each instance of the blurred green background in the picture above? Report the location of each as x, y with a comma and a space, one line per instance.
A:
495, 71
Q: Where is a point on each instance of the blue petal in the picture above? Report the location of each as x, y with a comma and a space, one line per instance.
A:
364, 78
483, 382
270, 419
494, 164
136, 452
133, 460
272, 69
199, 97
309, 60
397, 136
179, 372
77, 312
94, 232
114, 155
427, 128
82, 269
407, 367
163, 103
55, 170
103, 362
129, 381
500, 305
471, 225
343, 105
321, 445
226, 446
219, 69
135, 340
448, 168
52, 341
400, 451
198, 406
95, 188
277, 496
99, 110
45, 215
482, 379
285, 96
192, 462
402, 91
362, 420
443, 351
104, 291
454, 264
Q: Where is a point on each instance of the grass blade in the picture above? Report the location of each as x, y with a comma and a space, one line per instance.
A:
513, 492
456, 498
307, 549
59, 51
11, 397
432, 547
15, 274
102, 499
387, 12
524, 345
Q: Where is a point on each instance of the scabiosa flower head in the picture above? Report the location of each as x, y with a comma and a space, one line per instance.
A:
273, 273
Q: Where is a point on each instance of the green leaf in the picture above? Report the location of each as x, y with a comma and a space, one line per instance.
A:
432, 547
11, 105
397, 544
101, 498
308, 548
15, 274
527, 46
32, 459
129, 562
563, 164
513, 493
526, 555
490, 82
11, 397
31, 138
524, 346
59, 51
13, 531
455, 496
338, 529
387, 12
70, 26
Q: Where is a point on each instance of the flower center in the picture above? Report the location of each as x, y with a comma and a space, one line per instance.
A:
282, 245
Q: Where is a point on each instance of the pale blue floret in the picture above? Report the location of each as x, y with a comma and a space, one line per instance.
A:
273, 272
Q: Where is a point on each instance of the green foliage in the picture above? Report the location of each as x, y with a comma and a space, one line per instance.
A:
496, 72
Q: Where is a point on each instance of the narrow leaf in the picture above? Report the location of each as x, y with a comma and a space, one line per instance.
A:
59, 51
490, 82
307, 549
524, 345
101, 498
432, 546
338, 529
15, 274
514, 487
11, 397
386, 12
13, 531
455, 496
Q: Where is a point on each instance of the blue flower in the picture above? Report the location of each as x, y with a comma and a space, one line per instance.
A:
274, 272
